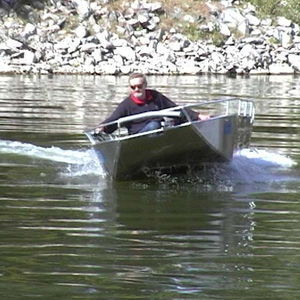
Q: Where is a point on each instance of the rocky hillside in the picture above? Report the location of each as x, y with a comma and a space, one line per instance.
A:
170, 37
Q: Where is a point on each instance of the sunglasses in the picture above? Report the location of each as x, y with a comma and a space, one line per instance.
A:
139, 86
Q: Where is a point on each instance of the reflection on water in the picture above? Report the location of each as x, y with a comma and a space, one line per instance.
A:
227, 232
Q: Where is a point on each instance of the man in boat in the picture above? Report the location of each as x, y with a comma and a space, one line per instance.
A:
141, 100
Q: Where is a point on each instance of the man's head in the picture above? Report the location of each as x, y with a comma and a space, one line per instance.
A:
138, 84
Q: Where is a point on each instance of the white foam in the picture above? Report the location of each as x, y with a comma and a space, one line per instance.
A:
247, 164
264, 157
91, 166
51, 153
251, 165
80, 162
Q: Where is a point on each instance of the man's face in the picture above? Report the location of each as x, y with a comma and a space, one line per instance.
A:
137, 87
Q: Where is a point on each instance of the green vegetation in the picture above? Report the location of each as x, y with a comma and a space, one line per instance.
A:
273, 8
273, 41
171, 16
192, 31
175, 9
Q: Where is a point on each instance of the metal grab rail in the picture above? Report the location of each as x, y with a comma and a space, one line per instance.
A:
150, 114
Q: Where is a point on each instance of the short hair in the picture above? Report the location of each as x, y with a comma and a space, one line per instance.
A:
137, 75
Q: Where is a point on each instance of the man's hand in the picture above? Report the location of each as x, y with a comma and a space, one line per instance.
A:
203, 117
98, 130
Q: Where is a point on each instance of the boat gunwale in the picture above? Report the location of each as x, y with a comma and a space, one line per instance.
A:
164, 112
248, 111
161, 130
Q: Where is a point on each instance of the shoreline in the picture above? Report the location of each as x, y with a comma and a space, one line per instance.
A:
240, 42
119, 74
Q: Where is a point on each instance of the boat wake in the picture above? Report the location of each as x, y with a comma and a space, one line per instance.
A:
253, 166
76, 162
247, 166
250, 169
256, 165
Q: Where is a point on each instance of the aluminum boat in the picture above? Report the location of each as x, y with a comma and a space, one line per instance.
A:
176, 147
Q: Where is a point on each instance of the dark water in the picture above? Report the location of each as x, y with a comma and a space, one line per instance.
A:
67, 232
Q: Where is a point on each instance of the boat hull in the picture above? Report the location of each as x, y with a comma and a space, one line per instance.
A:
174, 148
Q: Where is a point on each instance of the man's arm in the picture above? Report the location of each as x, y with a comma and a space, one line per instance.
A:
119, 112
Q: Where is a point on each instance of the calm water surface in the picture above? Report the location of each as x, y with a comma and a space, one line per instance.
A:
67, 232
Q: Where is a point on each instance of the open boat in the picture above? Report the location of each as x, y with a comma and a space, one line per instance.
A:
173, 148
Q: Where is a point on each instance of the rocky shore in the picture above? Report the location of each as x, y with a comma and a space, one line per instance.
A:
76, 37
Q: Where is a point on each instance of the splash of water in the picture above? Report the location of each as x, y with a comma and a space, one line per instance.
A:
252, 165
250, 169
265, 158
79, 162
247, 166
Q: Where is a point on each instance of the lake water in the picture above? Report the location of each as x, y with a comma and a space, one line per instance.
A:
67, 232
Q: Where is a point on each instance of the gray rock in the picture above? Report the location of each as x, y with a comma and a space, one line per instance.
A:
81, 32
278, 68
107, 67
97, 55
282, 21
73, 44
119, 60
286, 40
82, 8
143, 18
77, 36
29, 57
88, 47
13, 44
29, 30
188, 67
125, 52
224, 29
266, 22
253, 20
243, 27
216, 61
294, 61
175, 46
153, 7
232, 17
145, 51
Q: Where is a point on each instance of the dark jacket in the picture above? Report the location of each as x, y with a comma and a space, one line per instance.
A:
128, 107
